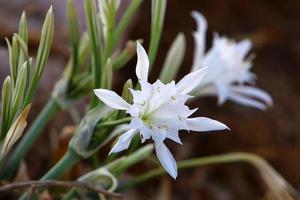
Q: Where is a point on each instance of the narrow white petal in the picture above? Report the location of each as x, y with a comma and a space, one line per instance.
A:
174, 135
123, 141
142, 65
157, 137
253, 92
111, 99
205, 124
222, 91
199, 37
166, 159
145, 134
190, 81
244, 100
243, 47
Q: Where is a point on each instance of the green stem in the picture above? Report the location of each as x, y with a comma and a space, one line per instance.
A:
30, 137
114, 122
125, 20
64, 164
197, 162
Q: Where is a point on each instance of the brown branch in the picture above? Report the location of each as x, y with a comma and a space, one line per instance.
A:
52, 183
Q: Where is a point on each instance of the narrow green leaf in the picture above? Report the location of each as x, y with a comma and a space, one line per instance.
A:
23, 54
42, 55
75, 36
174, 59
10, 58
122, 58
6, 102
45, 43
84, 48
23, 28
94, 35
19, 91
157, 19
108, 9
15, 55
22, 38
125, 20
94, 31
126, 94
13, 51
107, 75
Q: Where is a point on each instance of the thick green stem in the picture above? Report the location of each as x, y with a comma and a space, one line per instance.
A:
64, 164
186, 164
30, 137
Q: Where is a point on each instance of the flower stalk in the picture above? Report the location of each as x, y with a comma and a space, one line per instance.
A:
279, 188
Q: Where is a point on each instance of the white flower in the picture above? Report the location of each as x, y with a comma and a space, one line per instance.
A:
228, 75
159, 111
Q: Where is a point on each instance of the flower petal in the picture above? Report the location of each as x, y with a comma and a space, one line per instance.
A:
205, 124
199, 37
190, 81
166, 159
253, 92
222, 91
243, 47
174, 135
247, 101
123, 141
111, 99
142, 66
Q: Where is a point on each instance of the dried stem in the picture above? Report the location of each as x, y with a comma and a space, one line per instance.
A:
52, 183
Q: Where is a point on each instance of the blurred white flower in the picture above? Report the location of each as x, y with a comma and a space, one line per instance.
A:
228, 75
159, 111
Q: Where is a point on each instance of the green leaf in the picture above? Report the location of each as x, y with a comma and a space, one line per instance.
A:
6, 102
13, 50
23, 28
125, 20
75, 36
84, 48
157, 19
22, 38
108, 9
122, 58
95, 39
126, 94
19, 91
107, 75
42, 54
174, 59
23, 51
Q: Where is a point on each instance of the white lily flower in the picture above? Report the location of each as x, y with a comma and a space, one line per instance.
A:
159, 111
228, 75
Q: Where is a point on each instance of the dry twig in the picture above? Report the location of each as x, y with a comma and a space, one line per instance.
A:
52, 183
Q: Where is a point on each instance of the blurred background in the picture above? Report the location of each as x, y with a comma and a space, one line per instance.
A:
274, 28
